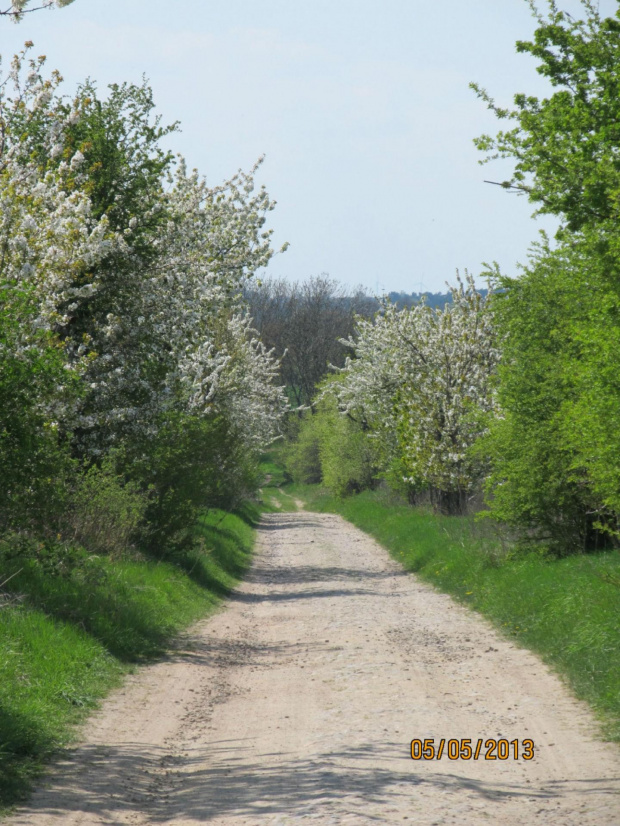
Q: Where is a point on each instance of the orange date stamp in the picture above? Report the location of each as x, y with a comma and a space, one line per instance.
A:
467, 749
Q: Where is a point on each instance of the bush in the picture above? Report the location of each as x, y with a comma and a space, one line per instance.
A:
555, 451
302, 457
334, 449
346, 453
36, 464
194, 463
106, 512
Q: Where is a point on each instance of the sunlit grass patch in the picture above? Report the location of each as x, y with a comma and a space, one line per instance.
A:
71, 629
273, 497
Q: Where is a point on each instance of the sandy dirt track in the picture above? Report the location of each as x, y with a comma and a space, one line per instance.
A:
297, 703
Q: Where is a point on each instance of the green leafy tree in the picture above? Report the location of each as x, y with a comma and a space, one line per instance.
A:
193, 463
333, 448
555, 446
36, 464
537, 483
566, 146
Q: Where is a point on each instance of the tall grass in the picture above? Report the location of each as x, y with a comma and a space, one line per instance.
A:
71, 624
567, 609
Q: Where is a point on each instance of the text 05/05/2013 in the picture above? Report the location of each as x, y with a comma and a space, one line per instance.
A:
467, 749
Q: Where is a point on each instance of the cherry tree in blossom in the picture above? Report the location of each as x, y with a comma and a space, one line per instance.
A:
138, 300
420, 381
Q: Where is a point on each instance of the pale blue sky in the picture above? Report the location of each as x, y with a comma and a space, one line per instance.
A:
362, 109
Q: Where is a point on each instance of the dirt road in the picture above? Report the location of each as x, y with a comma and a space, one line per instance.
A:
298, 701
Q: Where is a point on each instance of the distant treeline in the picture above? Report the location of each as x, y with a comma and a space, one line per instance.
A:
304, 322
436, 300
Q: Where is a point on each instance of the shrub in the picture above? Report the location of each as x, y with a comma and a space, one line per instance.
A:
302, 458
194, 462
555, 449
334, 449
346, 453
106, 511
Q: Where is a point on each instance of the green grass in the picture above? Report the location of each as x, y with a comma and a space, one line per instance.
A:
567, 609
71, 625
271, 467
273, 496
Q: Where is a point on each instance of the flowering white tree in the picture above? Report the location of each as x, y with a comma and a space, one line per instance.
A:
170, 342
50, 243
446, 393
248, 385
129, 271
420, 380
366, 387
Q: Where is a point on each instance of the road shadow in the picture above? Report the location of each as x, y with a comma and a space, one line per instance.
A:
286, 522
204, 784
301, 574
288, 596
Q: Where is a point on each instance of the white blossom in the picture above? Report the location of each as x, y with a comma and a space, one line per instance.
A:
76, 161
176, 334
419, 379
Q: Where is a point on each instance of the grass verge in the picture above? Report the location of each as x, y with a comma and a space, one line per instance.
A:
274, 497
564, 609
72, 624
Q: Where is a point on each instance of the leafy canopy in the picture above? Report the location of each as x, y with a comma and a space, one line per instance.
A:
566, 146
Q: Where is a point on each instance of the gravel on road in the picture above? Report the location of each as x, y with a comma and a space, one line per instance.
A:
298, 702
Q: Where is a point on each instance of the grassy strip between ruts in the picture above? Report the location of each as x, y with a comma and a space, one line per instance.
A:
566, 610
71, 626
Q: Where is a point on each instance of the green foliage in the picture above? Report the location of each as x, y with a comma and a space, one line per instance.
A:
302, 459
555, 450
124, 162
555, 447
566, 610
565, 146
35, 461
530, 484
42, 489
346, 453
71, 622
592, 422
391, 469
271, 467
193, 463
332, 448
104, 511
